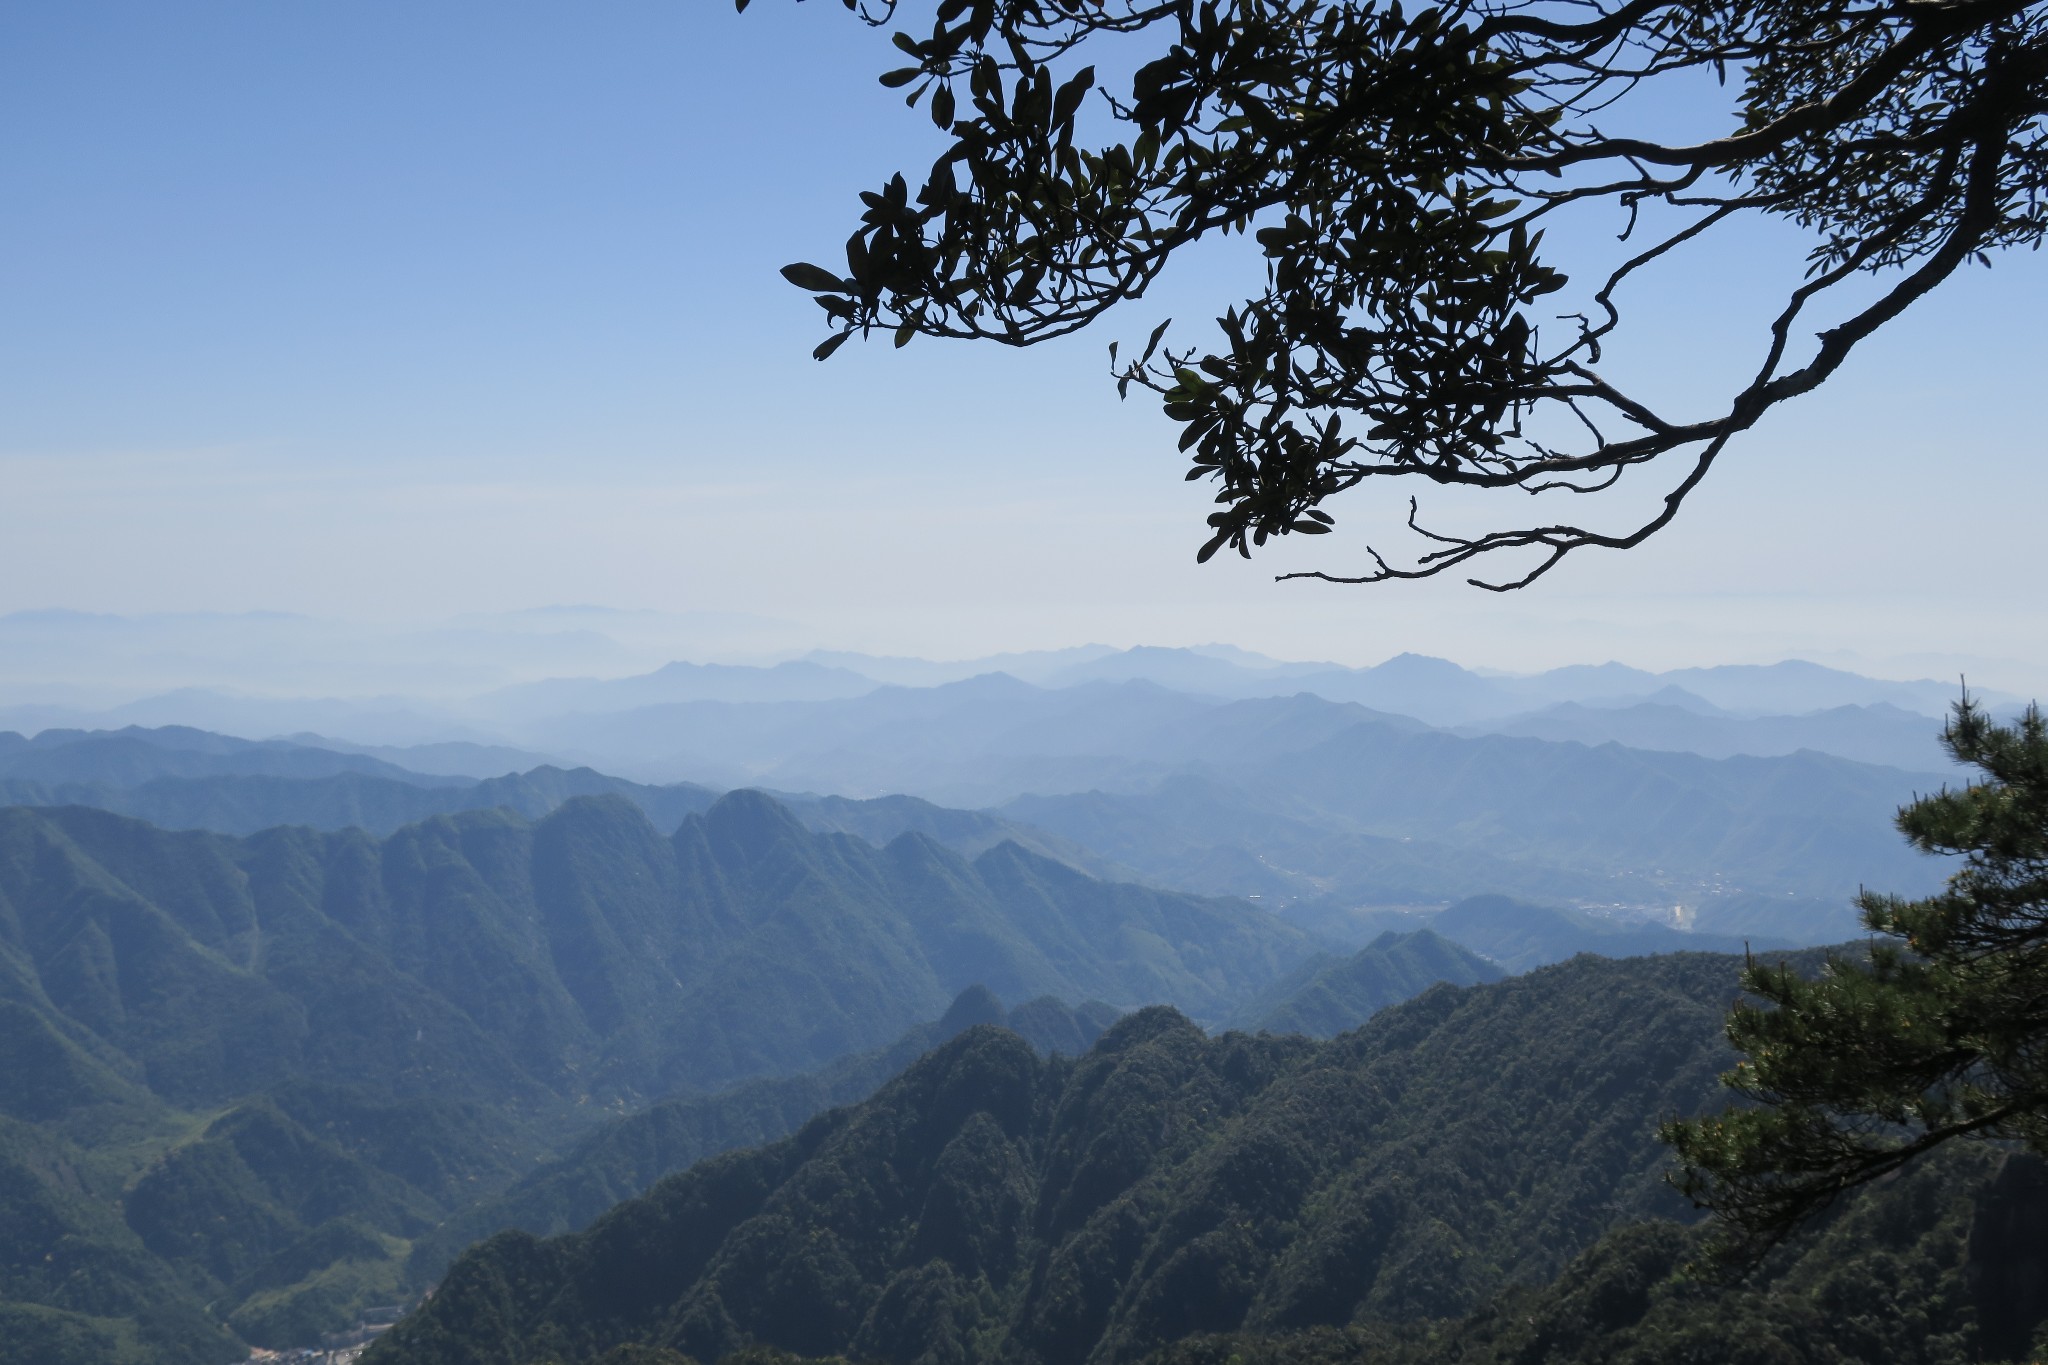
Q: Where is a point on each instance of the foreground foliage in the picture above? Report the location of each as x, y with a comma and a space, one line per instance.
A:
1941, 1034
1400, 166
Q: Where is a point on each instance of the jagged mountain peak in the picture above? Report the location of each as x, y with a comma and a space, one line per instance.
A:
975, 1005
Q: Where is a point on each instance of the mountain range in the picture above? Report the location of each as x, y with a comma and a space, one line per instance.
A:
992, 1206
251, 1073
1327, 995
537, 717
1472, 1176
1287, 800
288, 1022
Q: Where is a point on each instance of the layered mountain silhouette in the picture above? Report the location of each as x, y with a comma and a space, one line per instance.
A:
285, 1025
1517, 936
1289, 800
1674, 720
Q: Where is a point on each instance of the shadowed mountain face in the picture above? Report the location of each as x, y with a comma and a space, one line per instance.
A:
989, 1205
1919, 1270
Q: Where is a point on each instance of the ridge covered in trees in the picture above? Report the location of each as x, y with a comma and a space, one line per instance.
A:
989, 1205
251, 1073
1473, 1177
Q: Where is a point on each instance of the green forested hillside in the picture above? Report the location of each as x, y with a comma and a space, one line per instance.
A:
1325, 996
275, 1062
1922, 1270
627, 1155
584, 956
989, 1205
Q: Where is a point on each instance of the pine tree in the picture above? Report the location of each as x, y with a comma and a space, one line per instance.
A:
1941, 1033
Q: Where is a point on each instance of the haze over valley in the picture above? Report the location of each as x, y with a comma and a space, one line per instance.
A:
504, 960
594, 771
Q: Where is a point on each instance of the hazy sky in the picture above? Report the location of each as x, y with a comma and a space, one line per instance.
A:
401, 312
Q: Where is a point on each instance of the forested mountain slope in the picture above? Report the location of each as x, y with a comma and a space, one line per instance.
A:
627, 1155
1941, 1266
1327, 995
988, 1205
482, 954
284, 1058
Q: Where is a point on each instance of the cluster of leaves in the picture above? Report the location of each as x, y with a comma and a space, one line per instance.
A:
1941, 1034
1399, 166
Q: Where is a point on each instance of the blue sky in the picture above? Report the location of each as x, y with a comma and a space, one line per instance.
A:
401, 312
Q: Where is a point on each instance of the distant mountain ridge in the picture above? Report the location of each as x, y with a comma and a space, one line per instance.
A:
134, 755
1534, 817
1431, 689
1328, 995
1436, 691
1286, 799
1516, 936
1879, 733
797, 680
243, 804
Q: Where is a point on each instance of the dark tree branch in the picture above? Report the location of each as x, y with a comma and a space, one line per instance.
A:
1396, 168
